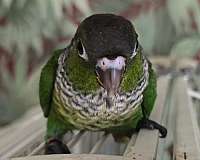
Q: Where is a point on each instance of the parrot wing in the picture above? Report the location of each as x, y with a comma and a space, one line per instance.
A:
46, 83
150, 92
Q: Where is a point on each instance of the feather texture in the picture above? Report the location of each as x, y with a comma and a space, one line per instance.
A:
46, 83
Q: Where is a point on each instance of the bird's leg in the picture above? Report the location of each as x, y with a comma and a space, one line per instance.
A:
55, 131
149, 124
56, 146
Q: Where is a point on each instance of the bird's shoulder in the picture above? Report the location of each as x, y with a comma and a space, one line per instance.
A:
46, 82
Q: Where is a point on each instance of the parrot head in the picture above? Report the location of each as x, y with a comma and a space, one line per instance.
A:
103, 47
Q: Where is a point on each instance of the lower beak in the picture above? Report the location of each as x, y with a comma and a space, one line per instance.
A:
110, 79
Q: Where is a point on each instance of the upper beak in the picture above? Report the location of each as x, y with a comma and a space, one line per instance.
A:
109, 73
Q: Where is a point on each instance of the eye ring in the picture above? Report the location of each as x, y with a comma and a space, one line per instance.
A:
81, 50
133, 54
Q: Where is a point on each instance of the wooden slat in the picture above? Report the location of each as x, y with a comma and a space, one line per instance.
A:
99, 143
37, 149
194, 94
168, 119
80, 143
111, 147
75, 139
25, 146
187, 144
71, 157
24, 121
130, 144
23, 138
146, 143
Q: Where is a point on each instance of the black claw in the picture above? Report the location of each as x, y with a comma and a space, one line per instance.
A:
149, 124
163, 132
55, 146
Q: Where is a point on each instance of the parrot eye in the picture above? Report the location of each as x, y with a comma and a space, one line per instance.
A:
81, 50
134, 50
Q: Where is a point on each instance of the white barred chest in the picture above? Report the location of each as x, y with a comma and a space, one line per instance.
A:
96, 107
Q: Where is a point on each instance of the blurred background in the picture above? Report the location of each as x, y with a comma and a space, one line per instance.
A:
31, 29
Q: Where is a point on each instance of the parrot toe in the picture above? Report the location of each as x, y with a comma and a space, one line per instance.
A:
149, 124
55, 146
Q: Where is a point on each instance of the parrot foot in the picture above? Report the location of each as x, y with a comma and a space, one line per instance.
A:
149, 124
55, 146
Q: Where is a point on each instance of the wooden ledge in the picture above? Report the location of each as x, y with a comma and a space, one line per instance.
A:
71, 157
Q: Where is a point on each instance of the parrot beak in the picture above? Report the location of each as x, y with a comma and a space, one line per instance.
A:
109, 73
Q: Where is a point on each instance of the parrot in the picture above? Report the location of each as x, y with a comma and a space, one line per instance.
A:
101, 81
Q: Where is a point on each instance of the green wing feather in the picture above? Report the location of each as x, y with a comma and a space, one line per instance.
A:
150, 92
46, 84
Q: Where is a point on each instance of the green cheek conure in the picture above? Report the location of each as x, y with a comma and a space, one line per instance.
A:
100, 82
